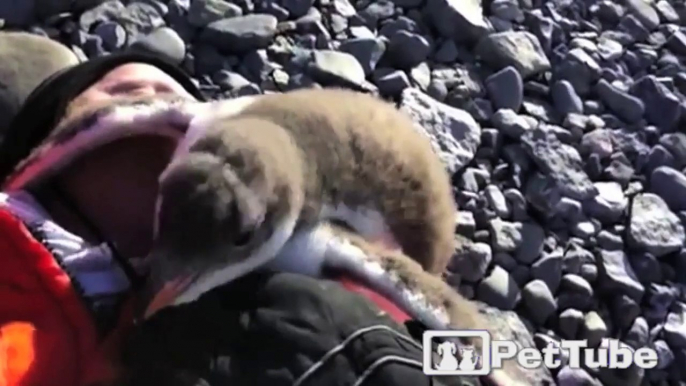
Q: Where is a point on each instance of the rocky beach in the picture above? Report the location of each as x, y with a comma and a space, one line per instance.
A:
561, 122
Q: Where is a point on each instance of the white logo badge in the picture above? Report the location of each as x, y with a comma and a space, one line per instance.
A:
468, 362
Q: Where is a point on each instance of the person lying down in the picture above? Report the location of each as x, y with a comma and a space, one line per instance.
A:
98, 165
249, 188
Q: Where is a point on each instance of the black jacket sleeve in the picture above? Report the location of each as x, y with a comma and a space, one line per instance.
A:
272, 330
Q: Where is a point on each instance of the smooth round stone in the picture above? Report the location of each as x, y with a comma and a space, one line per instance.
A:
506, 89
670, 184
565, 98
164, 42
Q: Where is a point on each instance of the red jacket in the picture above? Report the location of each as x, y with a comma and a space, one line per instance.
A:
47, 336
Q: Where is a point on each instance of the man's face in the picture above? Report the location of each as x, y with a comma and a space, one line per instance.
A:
116, 185
133, 79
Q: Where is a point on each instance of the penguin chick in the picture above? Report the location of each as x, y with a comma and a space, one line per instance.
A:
241, 184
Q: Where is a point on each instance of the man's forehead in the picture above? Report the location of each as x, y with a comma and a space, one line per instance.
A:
141, 71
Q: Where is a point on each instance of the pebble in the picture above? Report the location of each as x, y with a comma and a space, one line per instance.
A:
627, 107
565, 98
519, 49
239, 34
499, 290
164, 42
653, 227
670, 185
506, 89
539, 301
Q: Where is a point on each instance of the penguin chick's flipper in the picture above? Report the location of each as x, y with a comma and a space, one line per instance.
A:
424, 296
225, 207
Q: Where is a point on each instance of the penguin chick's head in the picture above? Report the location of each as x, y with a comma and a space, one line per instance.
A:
209, 221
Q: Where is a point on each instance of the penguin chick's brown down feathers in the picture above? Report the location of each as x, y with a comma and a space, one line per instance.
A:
242, 183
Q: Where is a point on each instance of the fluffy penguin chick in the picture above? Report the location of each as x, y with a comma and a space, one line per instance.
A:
246, 181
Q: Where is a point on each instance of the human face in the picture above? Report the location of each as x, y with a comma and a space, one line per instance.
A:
128, 80
116, 186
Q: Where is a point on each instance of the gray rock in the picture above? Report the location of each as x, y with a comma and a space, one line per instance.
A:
624, 310
638, 334
330, 67
106, 11
580, 69
506, 89
465, 224
666, 12
367, 51
240, 34
609, 49
471, 260
454, 134
531, 245
593, 329
461, 20
565, 98
569, 322
505, 236
509, 123
538, 300
653, 227
675, 327
627, 107
568, 376
598, 142
164, 42
507, 325
670, 185
498, 289
112, 34
508, 10
514, 48
140, 18
644, 12
390, 82
407, 49
575, 292
549, 269
665, 356
662, 106
560, 162
610, 203
297, 8
675, 143
618, 275
203, 12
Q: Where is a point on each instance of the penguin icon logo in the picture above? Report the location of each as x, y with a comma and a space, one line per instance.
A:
447, 351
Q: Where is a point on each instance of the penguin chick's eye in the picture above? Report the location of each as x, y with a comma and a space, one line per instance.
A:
243, 238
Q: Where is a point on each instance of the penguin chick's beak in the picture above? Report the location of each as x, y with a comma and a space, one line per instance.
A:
163, 294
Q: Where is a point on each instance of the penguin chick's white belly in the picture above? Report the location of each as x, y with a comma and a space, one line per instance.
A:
367, 222
319, 246
305, 250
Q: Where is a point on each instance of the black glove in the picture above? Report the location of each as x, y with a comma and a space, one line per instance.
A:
275, 329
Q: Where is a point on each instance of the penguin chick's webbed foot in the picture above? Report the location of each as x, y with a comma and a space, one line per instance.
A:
225, 206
